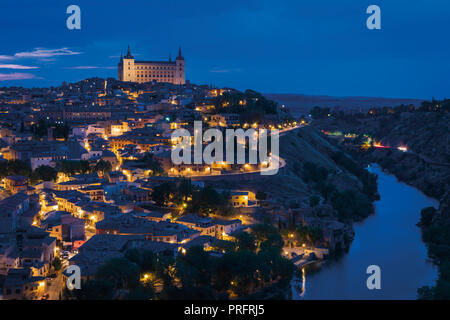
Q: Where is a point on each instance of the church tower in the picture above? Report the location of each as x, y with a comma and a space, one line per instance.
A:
179, 73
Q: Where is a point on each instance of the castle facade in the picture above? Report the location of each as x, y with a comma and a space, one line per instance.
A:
133, 70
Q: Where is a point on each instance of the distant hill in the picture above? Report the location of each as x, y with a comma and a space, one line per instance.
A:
301, 104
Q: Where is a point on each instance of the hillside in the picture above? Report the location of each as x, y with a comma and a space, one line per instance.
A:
315, 175
301, 104
426, 165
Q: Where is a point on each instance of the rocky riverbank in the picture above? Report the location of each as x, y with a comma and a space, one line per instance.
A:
422, 162
435, 225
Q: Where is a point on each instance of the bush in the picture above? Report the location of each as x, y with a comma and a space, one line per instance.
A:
427, 215
351, 205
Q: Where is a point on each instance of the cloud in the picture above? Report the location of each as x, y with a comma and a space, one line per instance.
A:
88, 67
224, 70
16, 66
41, 53
16, 76
4, 57
46, 53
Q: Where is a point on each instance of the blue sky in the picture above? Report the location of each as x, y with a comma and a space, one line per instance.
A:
319, 47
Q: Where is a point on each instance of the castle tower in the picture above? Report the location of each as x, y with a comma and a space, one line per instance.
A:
126, 67
179, 74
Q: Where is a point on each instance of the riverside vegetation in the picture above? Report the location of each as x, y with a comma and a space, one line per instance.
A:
425, 131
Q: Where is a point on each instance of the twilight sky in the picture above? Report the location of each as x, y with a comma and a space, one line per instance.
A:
319, 47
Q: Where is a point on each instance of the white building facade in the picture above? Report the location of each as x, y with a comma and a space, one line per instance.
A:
132, 70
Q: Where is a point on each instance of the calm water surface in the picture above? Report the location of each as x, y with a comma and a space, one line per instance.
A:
389, 239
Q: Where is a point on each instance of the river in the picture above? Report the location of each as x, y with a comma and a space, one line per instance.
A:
389, 239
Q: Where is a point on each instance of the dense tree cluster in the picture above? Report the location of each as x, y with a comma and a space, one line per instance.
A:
251, 266
440, 106
48, 173
437, 238
435, 105
71, 167
14, 167
43, 173
152, 164
102, 167
349, 204
190, 198
320, 113
18, 167
251, 105
309, 235
314, 173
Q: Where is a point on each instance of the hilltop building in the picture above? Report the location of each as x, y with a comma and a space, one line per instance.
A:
132, 70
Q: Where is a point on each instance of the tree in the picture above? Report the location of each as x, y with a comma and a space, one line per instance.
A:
267, 235
103, 167
141, 292
427, 215
43, 173
14, 167
146, 260
121, 272
185, 189
224, 246
351, 205
309, 234
325, 189
91, 290
319, 113
152, 164
425, 293
162, 194
260, 195
194, 268
274, 241
275, 265
237, 271
57, 264
251, 105
71, 167
245, 241
208, 201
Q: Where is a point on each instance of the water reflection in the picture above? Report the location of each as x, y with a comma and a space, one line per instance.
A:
389, 239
